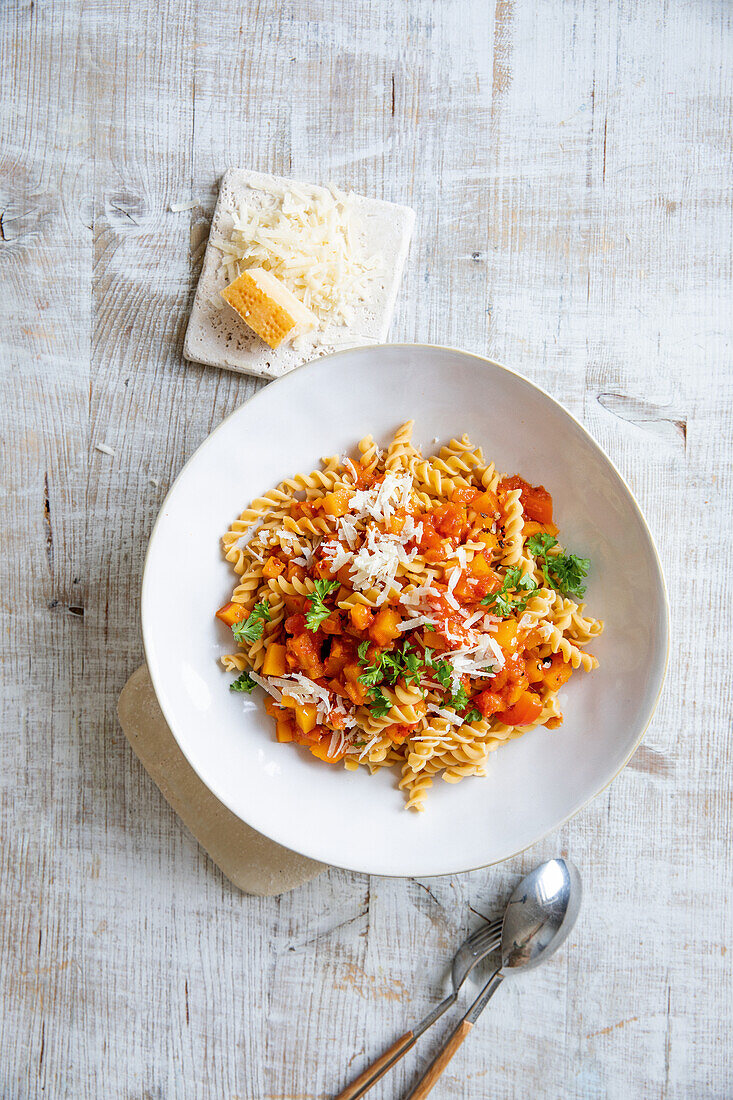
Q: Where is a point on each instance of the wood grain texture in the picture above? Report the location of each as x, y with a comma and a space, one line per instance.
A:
437, 1067
377, 1069
569, 162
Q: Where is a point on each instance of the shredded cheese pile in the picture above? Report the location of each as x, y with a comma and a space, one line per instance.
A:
309, 237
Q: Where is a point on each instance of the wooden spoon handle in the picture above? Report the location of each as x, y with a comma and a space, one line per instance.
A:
377, 1069
436, 1068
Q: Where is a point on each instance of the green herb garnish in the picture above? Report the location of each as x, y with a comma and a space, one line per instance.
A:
318, 610
459, 701
243, 683
474, 715
251, 629
371, 674
388, 666
412, 665
563, 572
514, 581
443, 672
379, 706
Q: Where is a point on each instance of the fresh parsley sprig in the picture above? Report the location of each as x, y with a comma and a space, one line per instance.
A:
244, 682
412, 665
459, 699
251, 629
318, 610
388, 666
371, 674
443, 671
563, 572
379, 705
514, 581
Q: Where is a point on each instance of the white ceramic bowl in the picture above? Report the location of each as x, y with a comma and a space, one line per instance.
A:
352, 819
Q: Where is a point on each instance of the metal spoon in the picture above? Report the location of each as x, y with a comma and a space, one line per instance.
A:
475, 948
539, 917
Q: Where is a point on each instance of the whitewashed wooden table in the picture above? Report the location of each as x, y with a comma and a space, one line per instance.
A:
570, 165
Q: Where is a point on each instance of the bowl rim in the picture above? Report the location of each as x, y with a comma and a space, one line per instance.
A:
595, 446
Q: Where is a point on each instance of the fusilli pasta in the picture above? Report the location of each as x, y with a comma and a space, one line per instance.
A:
402, 611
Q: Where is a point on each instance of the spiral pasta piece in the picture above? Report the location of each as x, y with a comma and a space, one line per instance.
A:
582, 629
513, 523
569, 652
318, 526
400, 453
369, 454
369, 598
318, 482
234, 662
416, 786
462, 449
456, 469
561, 611
537, 609
275, 503
294, 587
434, 482
487, 477
249, 584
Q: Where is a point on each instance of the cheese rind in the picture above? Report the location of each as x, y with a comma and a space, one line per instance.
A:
267, 306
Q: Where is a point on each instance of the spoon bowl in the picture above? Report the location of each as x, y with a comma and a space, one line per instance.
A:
540, 914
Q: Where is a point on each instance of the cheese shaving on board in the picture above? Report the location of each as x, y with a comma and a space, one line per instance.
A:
311, 239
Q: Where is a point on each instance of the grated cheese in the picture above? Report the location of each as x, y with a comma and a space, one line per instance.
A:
417, 597
347, 529
449, 715
369, 746
413, 624
380, 501
346, 461
376, 562
266, 685
473, 660
336, 743
248, 535
336, 555
311, 240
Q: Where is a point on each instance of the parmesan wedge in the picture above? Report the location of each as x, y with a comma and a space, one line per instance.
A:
268, 307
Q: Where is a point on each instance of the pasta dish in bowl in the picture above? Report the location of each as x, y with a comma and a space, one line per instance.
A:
405, 611
413, 621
